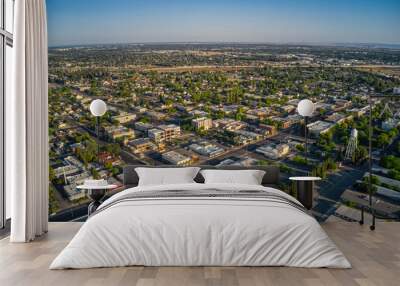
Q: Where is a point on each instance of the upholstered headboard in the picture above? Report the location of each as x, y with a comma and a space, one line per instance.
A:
271, 177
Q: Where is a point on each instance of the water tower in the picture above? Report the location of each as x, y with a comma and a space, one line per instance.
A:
352, 145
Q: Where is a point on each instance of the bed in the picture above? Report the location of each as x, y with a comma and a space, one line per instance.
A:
197, 224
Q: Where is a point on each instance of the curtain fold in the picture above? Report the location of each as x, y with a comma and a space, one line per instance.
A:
27, 120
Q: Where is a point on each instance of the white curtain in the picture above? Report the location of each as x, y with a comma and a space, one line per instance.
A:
27, 124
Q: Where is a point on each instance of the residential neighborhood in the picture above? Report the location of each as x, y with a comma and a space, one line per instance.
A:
226, 106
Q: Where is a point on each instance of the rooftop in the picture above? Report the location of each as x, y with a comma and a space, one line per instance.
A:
319, 126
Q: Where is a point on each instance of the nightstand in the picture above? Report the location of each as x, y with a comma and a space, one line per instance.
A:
96, 193
305, 189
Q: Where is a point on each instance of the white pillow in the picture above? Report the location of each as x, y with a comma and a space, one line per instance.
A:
166, 176
248, 177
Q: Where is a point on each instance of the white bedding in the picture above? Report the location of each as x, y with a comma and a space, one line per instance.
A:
200, 231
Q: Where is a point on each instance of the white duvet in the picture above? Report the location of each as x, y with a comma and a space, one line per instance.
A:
202, 232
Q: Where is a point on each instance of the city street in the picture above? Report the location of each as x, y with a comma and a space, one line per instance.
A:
330, 190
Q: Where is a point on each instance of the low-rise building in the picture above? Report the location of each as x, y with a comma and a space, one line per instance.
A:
244, 162
176, 158
319, 127
295, 118
124, 118
341, 104
274, 151
171, 131
322, 106
206, 149
66, 170
108, 158
73, 193
164, 133
287, 108
390, 124
284, 121
338, 118
140, 109
115, 132
270, 129
156, 135
260, 113
72, 160
199, 113
203, 123
358, 112
143, 127
159, 116
228, 124
141, 145
251, 135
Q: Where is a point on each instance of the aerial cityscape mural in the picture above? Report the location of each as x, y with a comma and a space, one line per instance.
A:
225, 96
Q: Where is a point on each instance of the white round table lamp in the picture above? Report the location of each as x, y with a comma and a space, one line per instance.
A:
98, 107
306, 107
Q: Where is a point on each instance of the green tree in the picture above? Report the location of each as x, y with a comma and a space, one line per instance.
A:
383, 140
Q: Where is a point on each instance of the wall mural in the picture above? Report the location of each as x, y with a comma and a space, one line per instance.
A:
223, 104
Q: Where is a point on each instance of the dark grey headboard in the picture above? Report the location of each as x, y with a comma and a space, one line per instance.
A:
271, 177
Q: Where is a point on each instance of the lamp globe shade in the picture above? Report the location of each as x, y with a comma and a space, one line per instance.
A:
98, 107
305, 107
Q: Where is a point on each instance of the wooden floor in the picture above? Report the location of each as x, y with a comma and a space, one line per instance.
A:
375, 257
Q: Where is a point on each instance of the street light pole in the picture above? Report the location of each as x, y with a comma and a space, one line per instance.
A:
370, 130
306, 108
98, 108
306, 138
98, 135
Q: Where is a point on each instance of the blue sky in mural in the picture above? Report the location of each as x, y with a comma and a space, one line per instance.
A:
281, 21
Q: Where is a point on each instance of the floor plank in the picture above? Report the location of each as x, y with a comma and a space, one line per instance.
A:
375, 257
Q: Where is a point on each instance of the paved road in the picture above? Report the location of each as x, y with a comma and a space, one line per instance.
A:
330, 190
